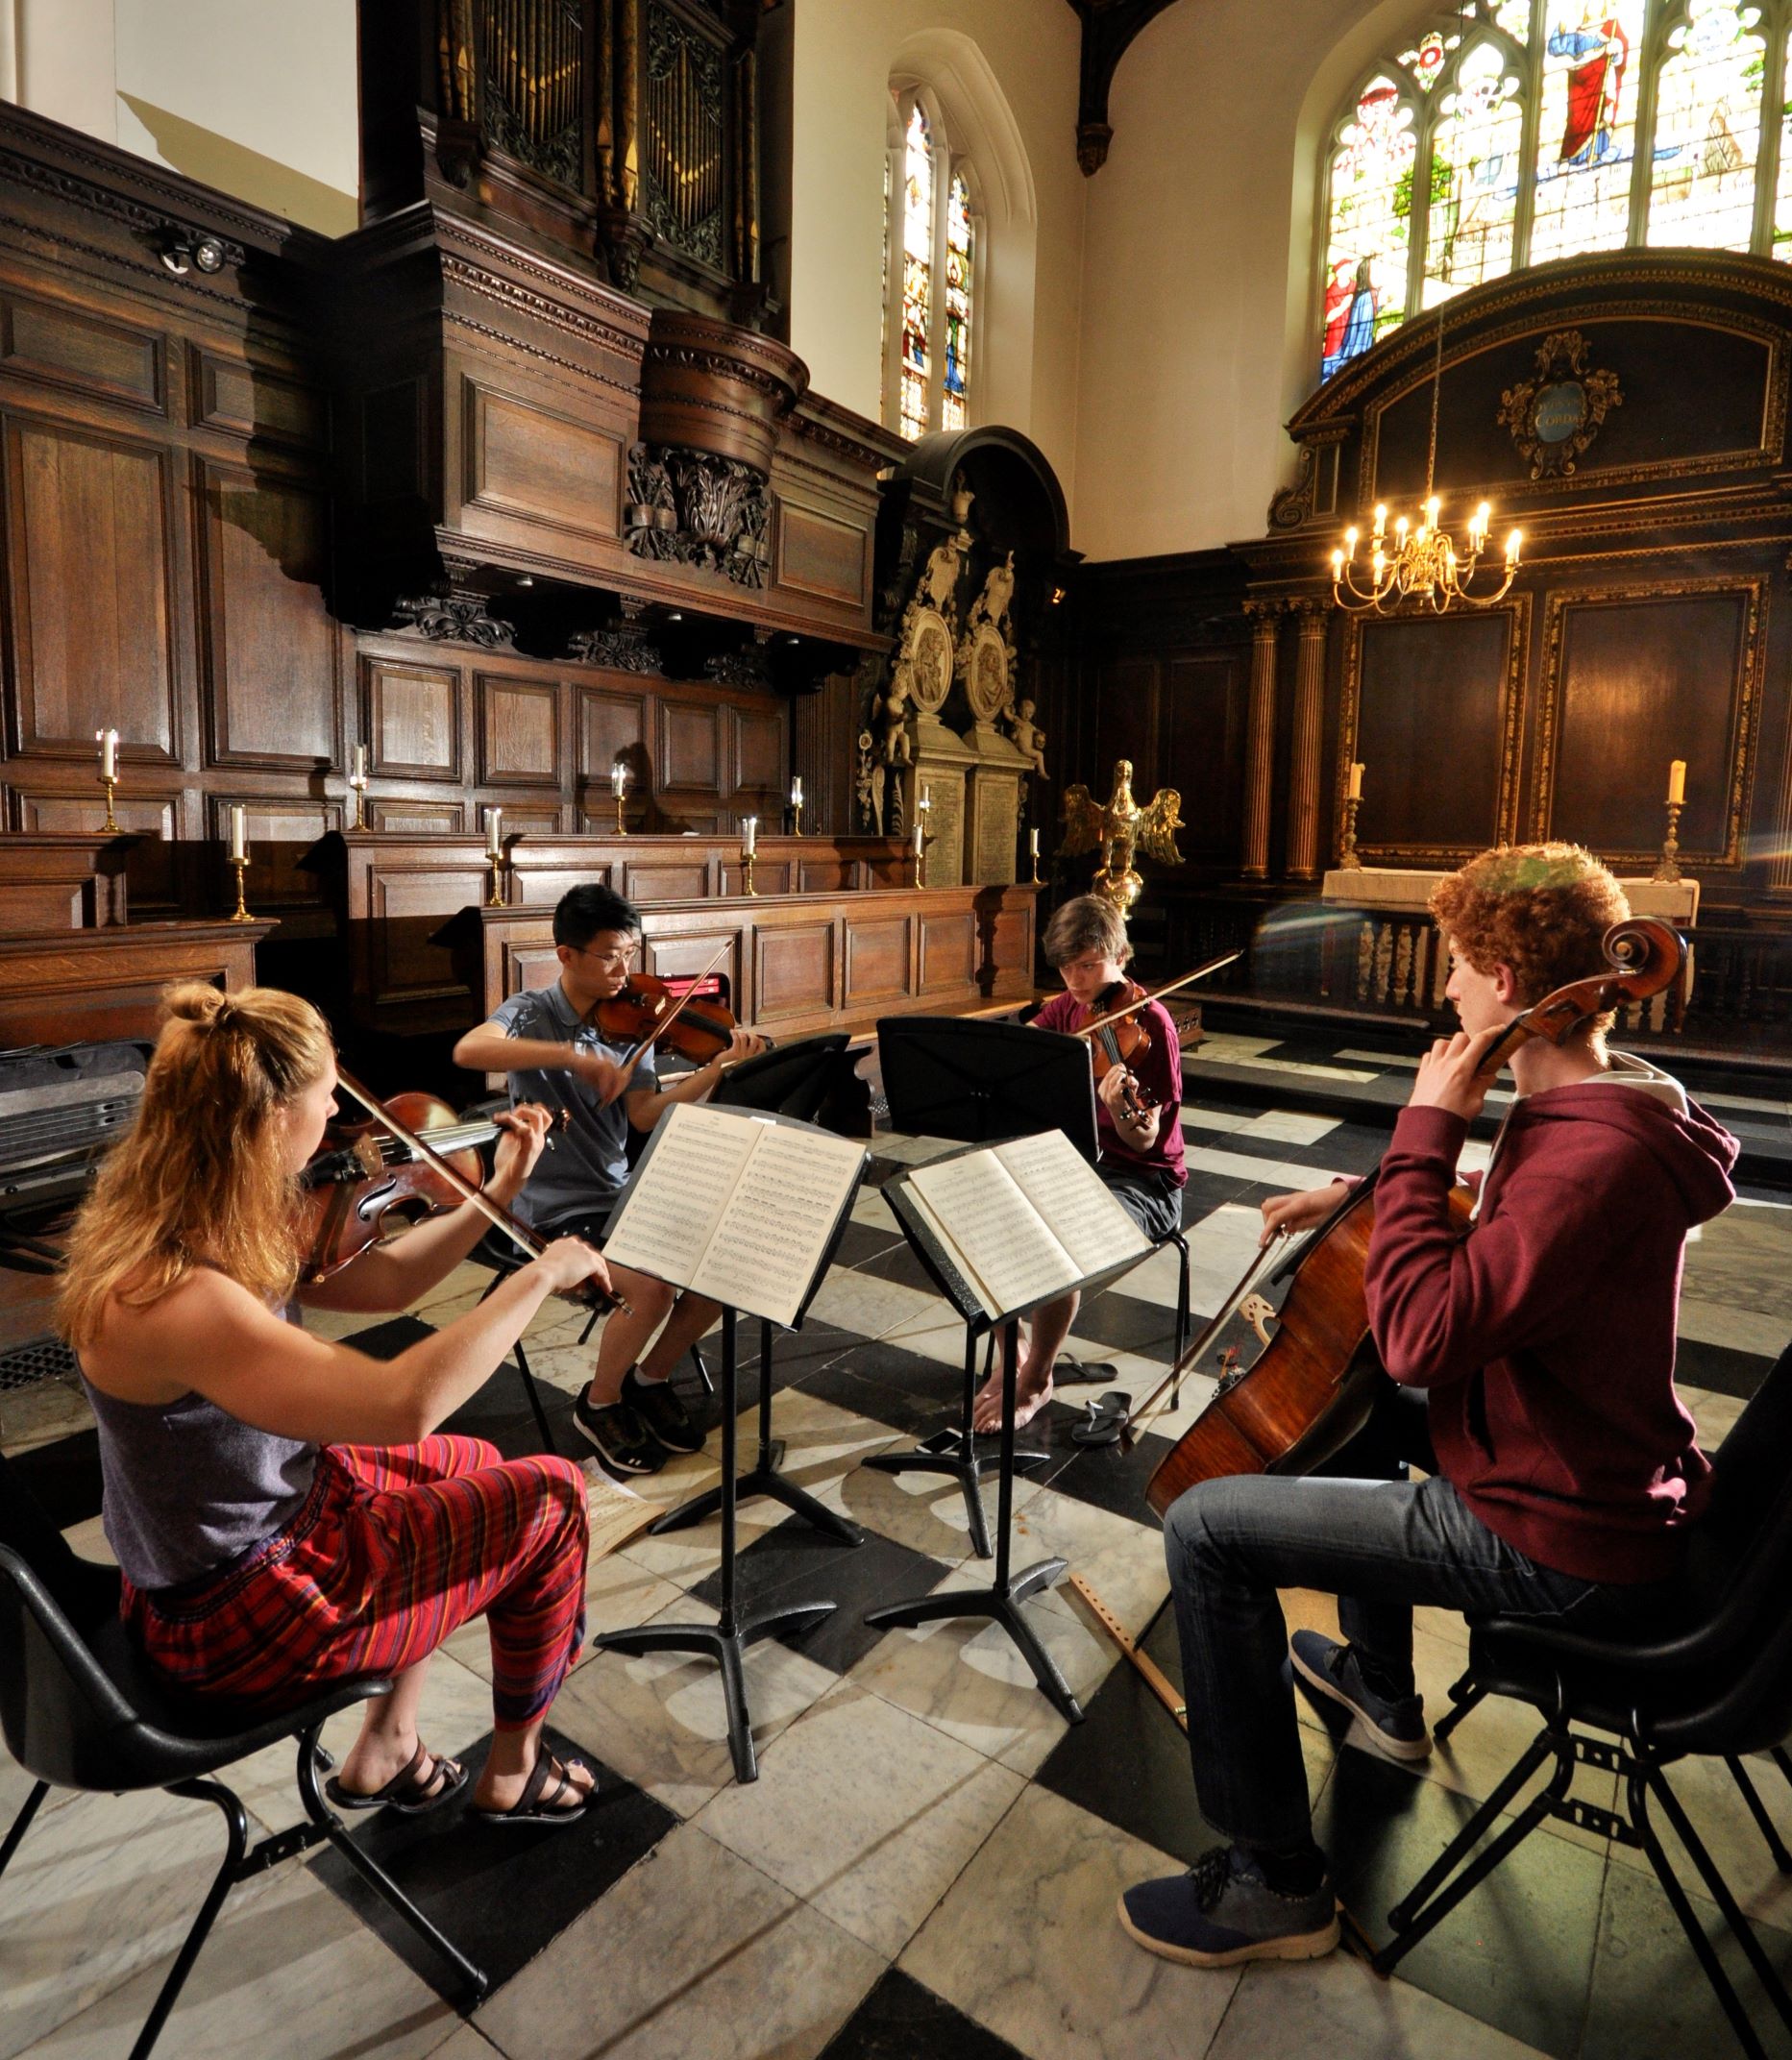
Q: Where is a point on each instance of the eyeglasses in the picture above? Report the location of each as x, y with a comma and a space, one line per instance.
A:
610, 961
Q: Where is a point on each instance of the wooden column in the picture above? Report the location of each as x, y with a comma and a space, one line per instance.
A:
1303, 796
1261, 736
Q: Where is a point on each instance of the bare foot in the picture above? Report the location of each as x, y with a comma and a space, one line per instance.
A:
1032, 1392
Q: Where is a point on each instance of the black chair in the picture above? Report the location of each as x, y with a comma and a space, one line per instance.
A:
1717, 1683
79, 1707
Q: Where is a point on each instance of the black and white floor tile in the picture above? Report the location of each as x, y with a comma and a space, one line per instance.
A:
929, 1861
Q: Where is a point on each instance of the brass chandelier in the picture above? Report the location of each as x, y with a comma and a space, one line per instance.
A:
1420, 564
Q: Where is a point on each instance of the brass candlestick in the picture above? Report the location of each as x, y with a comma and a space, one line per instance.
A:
746, 876
621, 828
110, 782
1348, 859
496, 898
796, 809
357, 789
1668, 866
240, 913
1034, 857
918, 860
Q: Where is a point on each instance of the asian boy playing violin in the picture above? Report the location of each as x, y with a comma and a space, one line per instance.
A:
1532, 1365
1137, 1123
546, 1040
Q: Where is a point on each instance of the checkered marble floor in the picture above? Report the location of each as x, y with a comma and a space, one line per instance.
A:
929, 1861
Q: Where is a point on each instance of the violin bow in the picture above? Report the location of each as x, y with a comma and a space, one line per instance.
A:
519, 1234
632, 1059
1169, 986
1260, 1268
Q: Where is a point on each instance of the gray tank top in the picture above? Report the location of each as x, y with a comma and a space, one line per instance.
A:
189, 1487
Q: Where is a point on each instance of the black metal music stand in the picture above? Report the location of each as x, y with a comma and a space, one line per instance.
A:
726, 1640
947, 1077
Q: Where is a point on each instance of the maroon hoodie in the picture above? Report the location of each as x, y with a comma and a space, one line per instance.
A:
1546, 1337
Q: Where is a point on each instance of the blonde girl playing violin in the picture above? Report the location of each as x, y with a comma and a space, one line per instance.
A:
283, 1508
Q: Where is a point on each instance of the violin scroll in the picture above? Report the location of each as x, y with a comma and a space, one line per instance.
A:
1645, 956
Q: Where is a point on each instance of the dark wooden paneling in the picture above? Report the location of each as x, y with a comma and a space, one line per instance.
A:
666, 879
1201, 726
758, 748
418, 819
879, 959
89, 600
1632, 683
609, 724
949, 951
792, 968
413, 719
109, 360
246, 400
268, 647
690, 747
528, 464
818, 554
1126, 724
519, 731
278, 835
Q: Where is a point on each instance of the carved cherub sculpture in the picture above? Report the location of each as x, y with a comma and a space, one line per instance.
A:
1118, 829
999, 591
1029, 738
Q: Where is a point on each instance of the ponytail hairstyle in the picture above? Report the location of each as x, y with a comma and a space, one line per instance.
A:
200, 1175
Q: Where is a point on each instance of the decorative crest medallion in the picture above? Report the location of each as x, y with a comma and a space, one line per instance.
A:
1556, 414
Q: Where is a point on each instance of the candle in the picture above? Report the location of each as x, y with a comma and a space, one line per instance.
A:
1032, 843
1676, 780
107, 741
750, 836
1356, 782
619, 779
796, 792
921, 834
927, 800
358, 777
240, 842
494, 843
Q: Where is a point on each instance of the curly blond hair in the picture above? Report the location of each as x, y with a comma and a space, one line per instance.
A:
197, 1177
1542, 909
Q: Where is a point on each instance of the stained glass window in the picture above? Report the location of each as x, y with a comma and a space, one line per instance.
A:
1369, 230
1587, 141
1708, 128
1476, 153
917, 272
960, 256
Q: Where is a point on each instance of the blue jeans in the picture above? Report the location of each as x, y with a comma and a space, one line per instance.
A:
1381, 1545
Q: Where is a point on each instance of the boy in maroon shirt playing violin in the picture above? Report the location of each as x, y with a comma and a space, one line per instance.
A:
1532, 1365
1138, 1121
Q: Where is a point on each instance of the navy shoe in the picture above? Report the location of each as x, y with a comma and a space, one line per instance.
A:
1394, 1724
657, 1405
1222, 1912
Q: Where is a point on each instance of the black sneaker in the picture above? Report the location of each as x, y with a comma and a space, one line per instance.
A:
1394, 1724
622, 1442
1222, 1912
656, 1403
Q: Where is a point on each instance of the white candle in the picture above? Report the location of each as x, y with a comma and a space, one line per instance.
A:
750, 836
796, 792
1356, 782
1676, 780
358, 777
240, 842
107, 741
619, 779
927, 800
1032, 843
920, 832
494, 843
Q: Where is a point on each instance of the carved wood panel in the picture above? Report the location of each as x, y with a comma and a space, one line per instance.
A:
610, 727
949, 951
527, 464
690, 747
878, 957
412, 719
89, 595
56, 814
268, 648
244, 398
392, 811
1202, 730
519, 731
818, 554
279, 834
794, 968
666, 879
758, 748
1636, 678
55, 346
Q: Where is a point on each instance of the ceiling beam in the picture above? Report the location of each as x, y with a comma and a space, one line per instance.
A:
1109, 27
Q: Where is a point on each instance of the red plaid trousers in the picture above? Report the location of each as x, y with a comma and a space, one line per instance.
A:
395, 1547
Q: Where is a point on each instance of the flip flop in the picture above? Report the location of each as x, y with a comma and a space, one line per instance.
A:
533, 1806
1084, 1373
1107, 1419
409, 1791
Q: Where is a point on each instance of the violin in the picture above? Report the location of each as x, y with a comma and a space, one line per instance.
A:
1116, 1038
1311, 1389
646, 1012
352, 1188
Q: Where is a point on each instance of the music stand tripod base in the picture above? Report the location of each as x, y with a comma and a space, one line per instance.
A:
1001, 1601
762, 1478
726, 1640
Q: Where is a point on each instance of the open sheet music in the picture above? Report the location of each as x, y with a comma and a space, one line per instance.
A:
1024, 1220
736, 1207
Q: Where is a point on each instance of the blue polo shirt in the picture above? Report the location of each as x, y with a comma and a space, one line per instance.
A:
586, 1170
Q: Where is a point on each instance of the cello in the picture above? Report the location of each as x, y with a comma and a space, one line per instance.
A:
1312, 1387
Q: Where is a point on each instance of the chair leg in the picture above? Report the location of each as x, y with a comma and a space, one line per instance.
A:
21, 1824
1758, 1810
533, 1392
1464, 1695
374, 1874
237, 1837
703, 1373
1638, 1787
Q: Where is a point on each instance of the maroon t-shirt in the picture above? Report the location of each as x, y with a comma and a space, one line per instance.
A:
1159, 1070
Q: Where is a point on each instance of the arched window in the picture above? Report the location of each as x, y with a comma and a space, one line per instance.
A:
930, 294
1505, 133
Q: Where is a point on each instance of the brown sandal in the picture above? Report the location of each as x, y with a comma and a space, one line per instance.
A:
534, 1806
410, 1791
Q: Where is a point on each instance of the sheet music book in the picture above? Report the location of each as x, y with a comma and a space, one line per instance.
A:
1023, 1221
742, 1208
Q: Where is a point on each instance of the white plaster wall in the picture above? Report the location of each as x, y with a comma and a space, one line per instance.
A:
844, 53
1198, 291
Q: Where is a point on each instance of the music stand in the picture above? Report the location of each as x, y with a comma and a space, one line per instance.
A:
949, 1077
789, 1080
